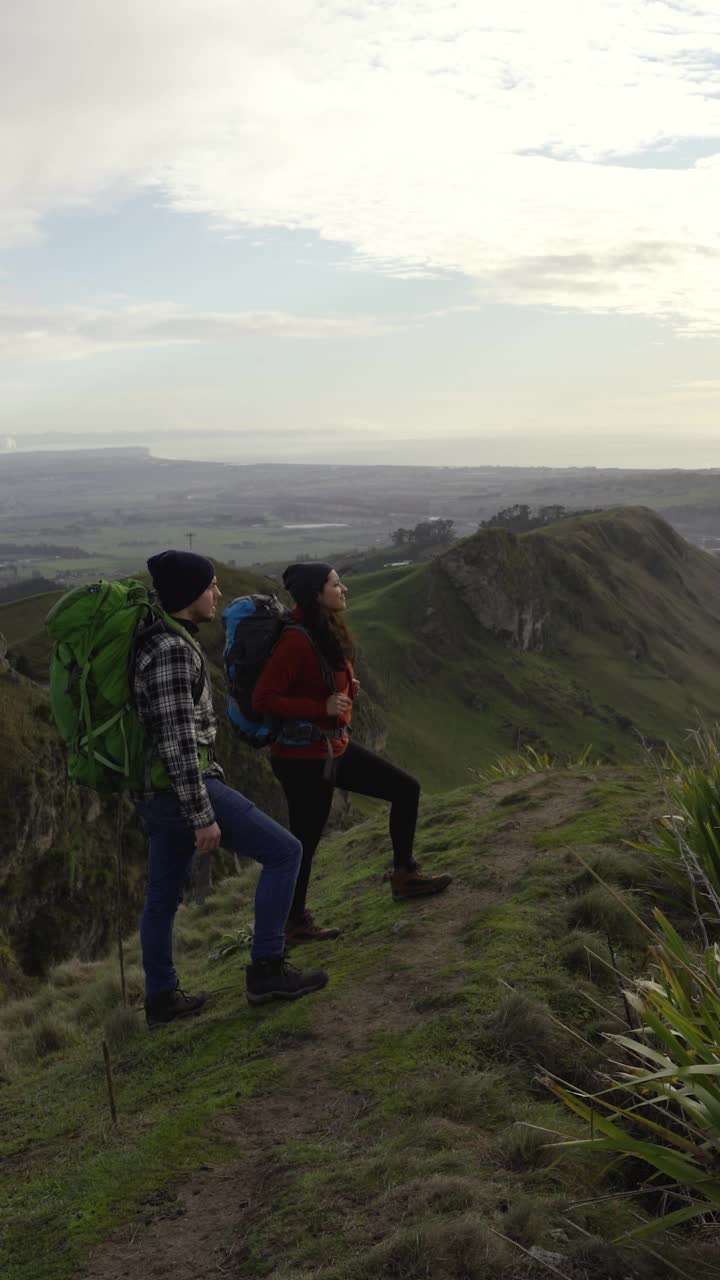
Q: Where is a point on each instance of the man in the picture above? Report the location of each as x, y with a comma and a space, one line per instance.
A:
186, 806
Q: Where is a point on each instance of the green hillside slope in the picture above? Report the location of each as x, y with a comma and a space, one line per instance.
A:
595, 630
380, 1130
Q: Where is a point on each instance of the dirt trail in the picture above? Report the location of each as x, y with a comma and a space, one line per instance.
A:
195, 1230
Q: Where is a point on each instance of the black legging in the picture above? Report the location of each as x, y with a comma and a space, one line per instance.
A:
309, 797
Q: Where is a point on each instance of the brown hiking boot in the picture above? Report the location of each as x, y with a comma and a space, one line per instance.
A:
305, 930
409, 882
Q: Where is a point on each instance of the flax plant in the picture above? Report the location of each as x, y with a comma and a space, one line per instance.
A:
661, 1101
519, 764
687, 841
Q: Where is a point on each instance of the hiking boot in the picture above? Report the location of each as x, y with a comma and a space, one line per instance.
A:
274, 979
172, 1005
409, 882
306, 930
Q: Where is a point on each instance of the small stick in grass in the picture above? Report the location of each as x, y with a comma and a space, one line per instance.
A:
109, 1079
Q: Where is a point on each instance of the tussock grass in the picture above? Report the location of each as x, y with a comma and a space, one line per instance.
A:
586, 954
463, 1248
528, 1217
525, 1029
134, 984
18, 1013
72, 973
102, 995
413, 1148
598, 909
121, 1027
8, 1058
439, 1193
521, 1146
631, 869
189, 939
479, 1096
49, 1035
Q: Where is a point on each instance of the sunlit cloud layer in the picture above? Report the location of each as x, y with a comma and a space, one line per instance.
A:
564, 153
72, 332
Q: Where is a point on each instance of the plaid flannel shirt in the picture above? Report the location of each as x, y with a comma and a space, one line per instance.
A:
166, 672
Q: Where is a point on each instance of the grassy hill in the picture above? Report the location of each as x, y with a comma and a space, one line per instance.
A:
395, 1127
398, 1126
598, 630
595, 630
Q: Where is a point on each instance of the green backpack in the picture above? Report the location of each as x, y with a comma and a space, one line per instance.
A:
96, 631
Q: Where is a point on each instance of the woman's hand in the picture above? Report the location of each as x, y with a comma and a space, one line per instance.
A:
337, 704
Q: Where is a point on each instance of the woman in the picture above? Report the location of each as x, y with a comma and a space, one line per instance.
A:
308, 682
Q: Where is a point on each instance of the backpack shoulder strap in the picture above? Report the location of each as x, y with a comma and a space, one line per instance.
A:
327, 672
160, 623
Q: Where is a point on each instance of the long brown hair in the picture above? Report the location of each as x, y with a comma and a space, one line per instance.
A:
331, 634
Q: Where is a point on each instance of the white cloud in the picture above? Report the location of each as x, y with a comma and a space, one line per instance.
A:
72, 332
698, 389
460, 136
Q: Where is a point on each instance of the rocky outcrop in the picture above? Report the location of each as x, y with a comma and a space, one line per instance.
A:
501, 579
57, 843
625, 573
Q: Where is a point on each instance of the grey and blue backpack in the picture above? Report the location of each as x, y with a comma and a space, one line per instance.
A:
253, 625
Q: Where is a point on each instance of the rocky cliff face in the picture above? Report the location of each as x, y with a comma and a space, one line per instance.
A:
620, 572
502, 581
57, 844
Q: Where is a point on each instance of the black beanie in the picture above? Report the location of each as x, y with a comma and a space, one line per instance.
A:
306, 581
179, 577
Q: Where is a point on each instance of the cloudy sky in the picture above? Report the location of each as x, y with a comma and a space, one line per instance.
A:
370, 230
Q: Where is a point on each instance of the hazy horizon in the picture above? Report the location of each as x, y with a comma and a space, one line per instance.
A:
625, 453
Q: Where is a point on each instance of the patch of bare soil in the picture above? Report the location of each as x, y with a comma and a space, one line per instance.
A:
195, 1230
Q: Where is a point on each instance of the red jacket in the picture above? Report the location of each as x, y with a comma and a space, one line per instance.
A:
292, 687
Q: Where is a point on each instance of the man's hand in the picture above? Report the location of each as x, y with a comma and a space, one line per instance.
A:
337, 704
355, 687
207, 838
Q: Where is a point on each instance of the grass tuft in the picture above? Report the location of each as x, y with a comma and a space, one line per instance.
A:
460, 1249
101, 996
524, 1029
18, 1013
521, 1146
439, 1193
49, 1035
579, 953
121, 1027
600, 910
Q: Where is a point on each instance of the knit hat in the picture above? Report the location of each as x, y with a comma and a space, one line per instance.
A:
179, 577
306, 581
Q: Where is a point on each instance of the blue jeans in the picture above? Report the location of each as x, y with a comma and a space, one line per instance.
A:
245, 830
